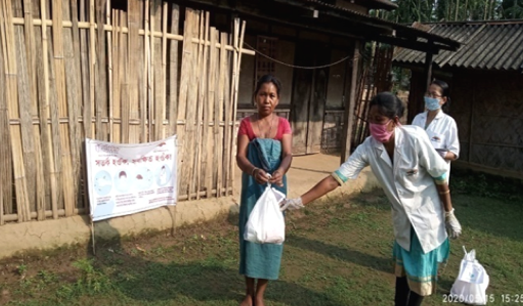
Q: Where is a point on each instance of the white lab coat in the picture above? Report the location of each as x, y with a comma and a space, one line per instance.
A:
442, 131
408, 183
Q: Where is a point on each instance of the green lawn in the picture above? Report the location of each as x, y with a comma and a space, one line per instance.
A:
337, 253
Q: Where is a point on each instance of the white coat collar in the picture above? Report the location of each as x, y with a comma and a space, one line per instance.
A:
439, 115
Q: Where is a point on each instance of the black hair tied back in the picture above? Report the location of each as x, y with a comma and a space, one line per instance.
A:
389, 104
445, 92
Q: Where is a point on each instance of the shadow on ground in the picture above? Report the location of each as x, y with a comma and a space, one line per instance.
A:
147, 281
345, 254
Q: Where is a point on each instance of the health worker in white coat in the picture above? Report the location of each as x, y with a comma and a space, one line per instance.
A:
413, 177
441, 128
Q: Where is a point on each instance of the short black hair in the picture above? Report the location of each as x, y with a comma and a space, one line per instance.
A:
390, 104
268, 79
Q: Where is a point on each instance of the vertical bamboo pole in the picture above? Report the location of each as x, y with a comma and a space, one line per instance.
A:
101, 77
131, 84
148, 82
123, 80
92, 73
78, 101
6, 170
30, 44
187, 67
85, 59
116, 60
42, 112
228, 113
210, 117
158, 82
221, 102
24, 68
59, 110
70, 110
192, 106
236, 77
11, 88
54, 99
201, 122
110, 70
161, 73
173, 72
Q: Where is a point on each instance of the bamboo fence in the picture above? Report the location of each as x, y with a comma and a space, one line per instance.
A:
76, 69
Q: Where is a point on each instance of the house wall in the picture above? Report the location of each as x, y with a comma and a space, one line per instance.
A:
320, 132
488, 109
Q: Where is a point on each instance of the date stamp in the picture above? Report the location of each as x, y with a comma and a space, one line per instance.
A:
507, 298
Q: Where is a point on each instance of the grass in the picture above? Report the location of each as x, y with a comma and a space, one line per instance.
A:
337, 252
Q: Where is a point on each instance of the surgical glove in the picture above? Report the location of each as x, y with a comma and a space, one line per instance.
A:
291, 204
452, 224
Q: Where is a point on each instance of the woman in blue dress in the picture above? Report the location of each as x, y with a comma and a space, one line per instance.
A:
264, 156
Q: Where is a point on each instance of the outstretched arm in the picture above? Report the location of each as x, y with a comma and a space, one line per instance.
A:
323, 187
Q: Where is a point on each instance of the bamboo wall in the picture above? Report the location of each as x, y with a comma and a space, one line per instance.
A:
72, 69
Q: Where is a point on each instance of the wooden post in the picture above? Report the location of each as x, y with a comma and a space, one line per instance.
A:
428, 66
349, 105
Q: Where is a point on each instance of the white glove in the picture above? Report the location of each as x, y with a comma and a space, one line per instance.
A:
452, 224
291, 204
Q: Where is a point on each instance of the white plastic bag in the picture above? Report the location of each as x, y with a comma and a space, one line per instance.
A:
266, 223
471, 285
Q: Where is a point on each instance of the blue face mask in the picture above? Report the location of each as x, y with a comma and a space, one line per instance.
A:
432, 103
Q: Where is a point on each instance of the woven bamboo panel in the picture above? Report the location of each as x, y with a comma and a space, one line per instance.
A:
76, 69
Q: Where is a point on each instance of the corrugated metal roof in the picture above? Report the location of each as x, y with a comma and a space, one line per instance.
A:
492, 45
400, 29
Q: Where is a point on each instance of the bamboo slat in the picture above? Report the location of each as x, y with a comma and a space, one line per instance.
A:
148, 109
173, 72
6, 191
74, 97
25, 98
157, 71
85, 64
236, 75
131, 96
163, 81
59, 109
227, 118
110, 74
102, 109
209, 134
188, 54
201, 105
115, 57
92, 73
220, 112
86, 25
141, 108
53, 99
192, 95
30, 44
110, 69
11, 88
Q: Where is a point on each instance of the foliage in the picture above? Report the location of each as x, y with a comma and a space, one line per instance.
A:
424, 11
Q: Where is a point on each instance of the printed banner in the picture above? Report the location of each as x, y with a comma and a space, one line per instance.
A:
128, 178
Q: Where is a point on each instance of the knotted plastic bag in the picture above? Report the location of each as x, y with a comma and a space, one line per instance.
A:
266, 223
471, 285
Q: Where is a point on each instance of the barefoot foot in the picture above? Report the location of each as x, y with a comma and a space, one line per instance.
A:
247, 301
259, 302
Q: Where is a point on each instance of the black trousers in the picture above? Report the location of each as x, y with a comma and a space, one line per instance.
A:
404, 296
